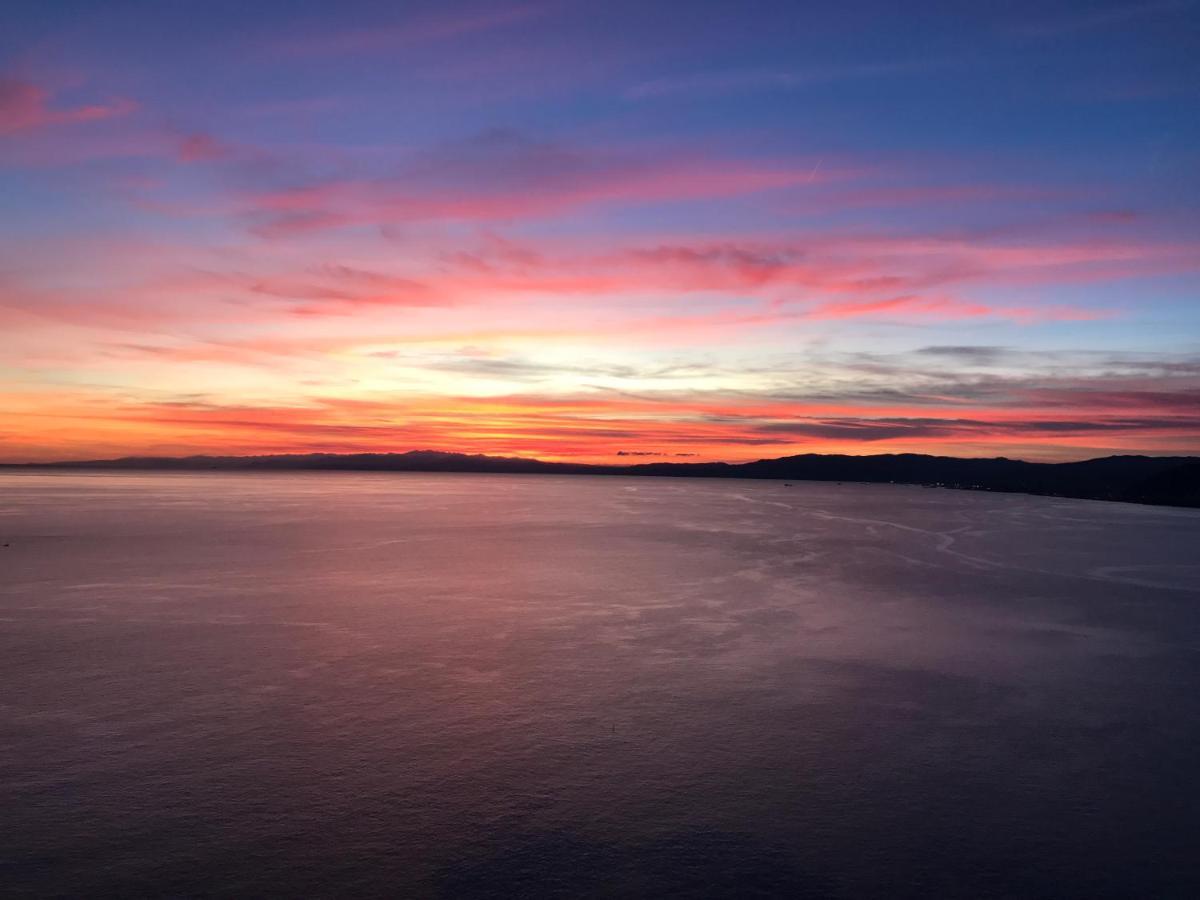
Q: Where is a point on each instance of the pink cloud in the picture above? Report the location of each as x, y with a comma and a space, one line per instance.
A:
833, 276
561, 288
922, 196
938, 307
290, 212
25, 106
333, 288
502, 176
201, 147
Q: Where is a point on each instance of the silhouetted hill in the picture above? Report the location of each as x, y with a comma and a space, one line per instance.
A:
1170, 480
412, 461
1177, 486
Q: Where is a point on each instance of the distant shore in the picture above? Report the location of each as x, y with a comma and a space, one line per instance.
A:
1158, 480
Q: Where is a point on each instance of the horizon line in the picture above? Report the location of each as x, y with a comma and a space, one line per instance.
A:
647, 457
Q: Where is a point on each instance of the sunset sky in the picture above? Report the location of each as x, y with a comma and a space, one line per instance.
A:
594, 231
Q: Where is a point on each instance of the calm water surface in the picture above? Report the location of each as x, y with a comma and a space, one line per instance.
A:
459, 685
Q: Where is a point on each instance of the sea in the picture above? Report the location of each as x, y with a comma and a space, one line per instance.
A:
324, 684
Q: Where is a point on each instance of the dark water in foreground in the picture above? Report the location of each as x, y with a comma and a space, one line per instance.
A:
463, 685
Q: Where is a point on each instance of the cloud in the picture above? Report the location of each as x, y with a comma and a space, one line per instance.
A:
413, 33
737, 81
567, 290
525, 369
888, 429
501, 175
201, 147
854, 264
25, 106
971, 354
322, 289
1056, 401
1098, 18
815, 277
555, 426
939, 307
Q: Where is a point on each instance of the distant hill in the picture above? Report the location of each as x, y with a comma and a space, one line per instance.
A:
1164, 480
1176, 486
412, 461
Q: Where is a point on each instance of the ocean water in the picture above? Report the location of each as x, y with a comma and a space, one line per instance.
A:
324, 684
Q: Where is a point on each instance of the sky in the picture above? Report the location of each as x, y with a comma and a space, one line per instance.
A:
600, 232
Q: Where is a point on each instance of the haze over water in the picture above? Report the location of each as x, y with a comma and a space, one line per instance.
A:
412, 684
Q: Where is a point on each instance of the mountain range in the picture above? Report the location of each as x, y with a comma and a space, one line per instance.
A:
1167, 480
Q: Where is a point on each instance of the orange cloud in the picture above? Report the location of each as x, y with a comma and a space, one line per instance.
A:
587, 427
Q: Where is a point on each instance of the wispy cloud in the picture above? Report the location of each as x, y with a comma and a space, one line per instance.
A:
1099, 17
416, 31
942, 307
503, 175
25, 106
738, 81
